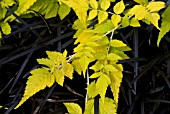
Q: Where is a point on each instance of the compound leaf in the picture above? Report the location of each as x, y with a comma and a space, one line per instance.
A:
39, 79
139, 11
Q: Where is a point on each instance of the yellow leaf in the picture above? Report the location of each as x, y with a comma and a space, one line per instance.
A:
117, 43
56, 57
65, 53
119, 7
103, 41
153, 18
67, 69
96, 75
115, 19
59, 76
101, 85
146, 21
24, 5
39, 79
78, 26
119, 53
107, 107
142, 2
100, 56
92, 90
46, 62
83, 51
139, 11
2, 12
89, 109
51, 10
7, 3
155, 6
113, 56
5, 27
105, 4
0, 34
109, 68
92, 44
125, 21
101, 49
94, 4
92, 14
104, 27
116, 79
124, 48
73, 108
63, 11
84, 37
97, 66
102, 16
165, 25
84, 62
134, 22
117, 66
80, 7
77, 66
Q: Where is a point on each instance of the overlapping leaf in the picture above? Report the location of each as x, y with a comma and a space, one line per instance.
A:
73, 108
39, 79
165, 25
56, 68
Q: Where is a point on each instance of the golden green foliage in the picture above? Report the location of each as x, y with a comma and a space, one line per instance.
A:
165, 25
73, 108
56, 68
96, 44
147, 12
106, 107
